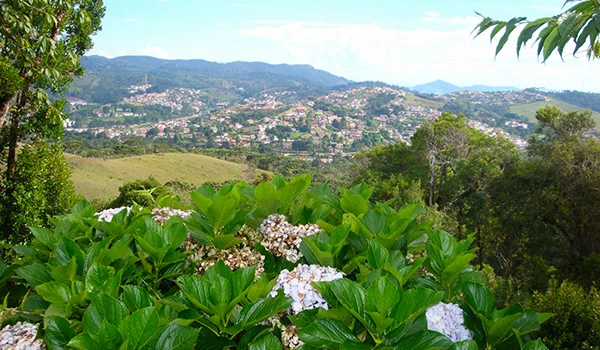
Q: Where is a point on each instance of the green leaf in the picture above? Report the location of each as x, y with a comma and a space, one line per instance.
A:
97, 278
84, 341
221, 212
527, 323
510, 27
498, 330
413, 303
136, 298
266, 342
326, 333
139, 327
103, 308
375, 222
535, 345
527, 32
197, 290
174, 234
201, 200
262, 309
464, 345
382, 296
65, 274
377, 255
424, 340
55, 292
220, 293
550, 42
67, 249
35, 274
351, 295
58, 333
46, 237
451, 272
264, 190
109, 336
480, 299
225, 241
174, 337
352, 203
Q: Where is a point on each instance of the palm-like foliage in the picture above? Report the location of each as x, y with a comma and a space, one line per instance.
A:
579, 24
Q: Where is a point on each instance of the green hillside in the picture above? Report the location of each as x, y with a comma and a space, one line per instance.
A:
96, 177
528, 110
416, 100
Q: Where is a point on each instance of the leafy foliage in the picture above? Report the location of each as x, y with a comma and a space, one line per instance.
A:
126, 283
578, 24
40, 45
577, 321
42, 189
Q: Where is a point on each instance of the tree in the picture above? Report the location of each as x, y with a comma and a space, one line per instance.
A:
40, 45
579, 24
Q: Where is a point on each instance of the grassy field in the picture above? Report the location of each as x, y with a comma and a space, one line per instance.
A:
95, 177
528, 110
415, 100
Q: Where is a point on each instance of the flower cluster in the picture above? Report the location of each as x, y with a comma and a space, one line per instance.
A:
289, 335
236, 257
296, 284
283, 239
21, 336
447, 319
161, 215
107, 215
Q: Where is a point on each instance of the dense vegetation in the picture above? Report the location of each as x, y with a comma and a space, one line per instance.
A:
380, 276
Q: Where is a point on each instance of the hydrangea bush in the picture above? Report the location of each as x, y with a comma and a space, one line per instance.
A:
272, 266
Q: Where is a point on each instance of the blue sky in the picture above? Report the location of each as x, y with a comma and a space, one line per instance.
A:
400, 42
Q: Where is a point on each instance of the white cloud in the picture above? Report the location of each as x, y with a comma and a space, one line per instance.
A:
100, 53
155, 51
410, 57
435, 17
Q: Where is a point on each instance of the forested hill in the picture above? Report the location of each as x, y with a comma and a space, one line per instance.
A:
587, 100
107, 80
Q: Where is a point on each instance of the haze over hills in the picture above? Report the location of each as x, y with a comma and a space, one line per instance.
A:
440, 87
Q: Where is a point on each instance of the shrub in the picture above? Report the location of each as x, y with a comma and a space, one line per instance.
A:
142, 192
41, 188
577, 321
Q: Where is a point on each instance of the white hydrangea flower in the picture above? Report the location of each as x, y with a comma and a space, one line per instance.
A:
21, 335
107, 215
296, 284
283, 239
448, 319
161, 215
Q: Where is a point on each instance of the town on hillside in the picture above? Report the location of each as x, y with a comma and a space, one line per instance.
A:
340, 122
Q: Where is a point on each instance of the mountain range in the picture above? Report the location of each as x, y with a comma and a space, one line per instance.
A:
107, 80
440, 87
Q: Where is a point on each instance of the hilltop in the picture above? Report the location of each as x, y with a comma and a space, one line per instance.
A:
440, 87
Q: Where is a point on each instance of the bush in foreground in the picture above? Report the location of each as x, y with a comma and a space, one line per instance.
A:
365, 277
